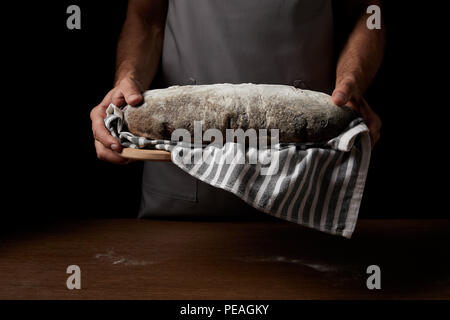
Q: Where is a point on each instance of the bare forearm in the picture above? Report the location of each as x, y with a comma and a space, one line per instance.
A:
363, 53
358, 63
140, 45
139, 52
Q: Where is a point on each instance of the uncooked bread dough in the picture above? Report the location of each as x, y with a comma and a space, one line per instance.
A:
300, 115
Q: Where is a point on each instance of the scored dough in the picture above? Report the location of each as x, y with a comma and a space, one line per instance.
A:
300, 115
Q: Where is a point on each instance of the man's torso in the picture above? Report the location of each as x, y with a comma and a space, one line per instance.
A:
235, 41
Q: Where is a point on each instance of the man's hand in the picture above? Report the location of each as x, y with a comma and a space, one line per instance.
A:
127, 91
138, 55
346, 93
359, 61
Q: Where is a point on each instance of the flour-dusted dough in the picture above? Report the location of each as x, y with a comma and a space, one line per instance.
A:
300, 115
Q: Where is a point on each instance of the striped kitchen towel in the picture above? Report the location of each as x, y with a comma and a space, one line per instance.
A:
316, 185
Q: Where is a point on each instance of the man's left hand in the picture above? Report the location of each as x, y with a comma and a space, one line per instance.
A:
347, 94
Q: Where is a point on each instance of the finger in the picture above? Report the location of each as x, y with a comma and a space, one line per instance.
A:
353, 106
367, 112
98, 112
373, 122
118, 99
339, 98
108, 155
131, 92
343, 92
102, 135
374, 137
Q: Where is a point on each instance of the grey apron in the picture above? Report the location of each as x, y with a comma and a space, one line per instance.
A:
235, 41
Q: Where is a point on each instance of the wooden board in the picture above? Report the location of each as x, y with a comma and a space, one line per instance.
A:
146, 155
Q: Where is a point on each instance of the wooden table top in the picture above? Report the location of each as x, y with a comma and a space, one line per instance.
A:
158, 259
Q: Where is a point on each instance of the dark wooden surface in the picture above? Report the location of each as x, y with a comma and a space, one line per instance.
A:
137, 259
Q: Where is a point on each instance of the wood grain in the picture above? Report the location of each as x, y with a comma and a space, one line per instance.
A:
146, 155
157, 259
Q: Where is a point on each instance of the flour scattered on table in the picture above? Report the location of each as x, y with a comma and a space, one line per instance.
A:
114, 258
281, 259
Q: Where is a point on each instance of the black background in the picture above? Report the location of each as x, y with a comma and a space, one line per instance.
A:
53, 77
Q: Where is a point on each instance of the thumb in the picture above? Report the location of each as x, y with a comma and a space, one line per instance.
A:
131, 92
342, 93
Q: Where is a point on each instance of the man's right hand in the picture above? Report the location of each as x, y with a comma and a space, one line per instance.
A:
126, 91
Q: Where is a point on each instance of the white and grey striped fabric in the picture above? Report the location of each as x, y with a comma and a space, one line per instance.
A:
316, 185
